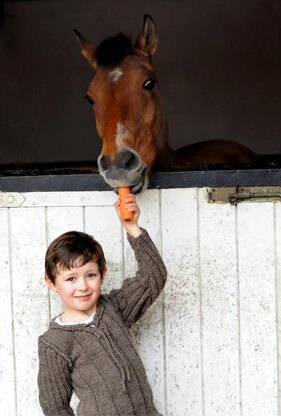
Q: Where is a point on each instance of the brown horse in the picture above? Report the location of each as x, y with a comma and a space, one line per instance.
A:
124, 94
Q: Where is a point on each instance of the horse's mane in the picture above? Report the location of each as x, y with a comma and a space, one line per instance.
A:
113, 50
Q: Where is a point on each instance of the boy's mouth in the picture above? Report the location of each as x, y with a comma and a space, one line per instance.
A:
83, 298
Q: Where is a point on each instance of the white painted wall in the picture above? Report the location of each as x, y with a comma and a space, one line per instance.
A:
210, 343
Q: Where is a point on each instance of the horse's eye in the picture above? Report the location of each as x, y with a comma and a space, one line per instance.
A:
89, 99
149, 84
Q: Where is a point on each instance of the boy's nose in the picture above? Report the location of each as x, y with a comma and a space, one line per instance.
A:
82, 284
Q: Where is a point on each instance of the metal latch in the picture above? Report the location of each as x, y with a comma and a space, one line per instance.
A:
11, 199
233, 195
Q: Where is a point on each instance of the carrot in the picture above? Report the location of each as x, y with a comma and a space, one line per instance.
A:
125, 214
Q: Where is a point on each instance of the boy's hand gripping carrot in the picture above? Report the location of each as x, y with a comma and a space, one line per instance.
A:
125, 214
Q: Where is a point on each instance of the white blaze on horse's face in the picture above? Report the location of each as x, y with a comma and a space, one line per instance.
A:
115, 74
122, 135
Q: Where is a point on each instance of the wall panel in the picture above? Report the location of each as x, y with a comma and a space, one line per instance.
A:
220, 316
179, 214
257, 287
7, 365
210, 343
30, 299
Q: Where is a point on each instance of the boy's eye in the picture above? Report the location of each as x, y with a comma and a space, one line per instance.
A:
70, 279
91, 275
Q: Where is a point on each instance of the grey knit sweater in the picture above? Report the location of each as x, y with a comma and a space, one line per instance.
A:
98, 360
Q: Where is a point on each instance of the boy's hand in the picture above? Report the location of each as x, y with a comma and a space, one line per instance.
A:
131, 205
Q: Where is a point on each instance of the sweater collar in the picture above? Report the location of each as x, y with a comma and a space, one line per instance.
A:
72, 327
87, 321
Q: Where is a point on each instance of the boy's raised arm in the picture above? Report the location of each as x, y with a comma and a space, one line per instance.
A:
139, 292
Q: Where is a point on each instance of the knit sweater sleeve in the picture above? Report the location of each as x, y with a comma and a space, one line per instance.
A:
139, 292
54, 382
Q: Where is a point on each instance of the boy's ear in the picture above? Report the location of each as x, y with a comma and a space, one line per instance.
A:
103, 275
50, 284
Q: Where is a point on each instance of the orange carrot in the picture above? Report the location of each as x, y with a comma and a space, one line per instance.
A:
125, 214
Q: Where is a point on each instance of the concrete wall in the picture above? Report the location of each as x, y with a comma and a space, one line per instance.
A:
218, 63
210, 343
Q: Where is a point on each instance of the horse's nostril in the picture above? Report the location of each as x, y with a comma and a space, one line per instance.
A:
104, 162
128, 160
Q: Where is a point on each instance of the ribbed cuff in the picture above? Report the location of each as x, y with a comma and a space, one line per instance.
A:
144, 236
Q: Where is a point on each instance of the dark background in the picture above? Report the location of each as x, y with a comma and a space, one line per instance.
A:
218, 63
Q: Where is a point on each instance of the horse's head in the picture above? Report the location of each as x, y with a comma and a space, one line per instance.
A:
125, 98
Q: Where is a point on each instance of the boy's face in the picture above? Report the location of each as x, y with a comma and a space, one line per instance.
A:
79, 287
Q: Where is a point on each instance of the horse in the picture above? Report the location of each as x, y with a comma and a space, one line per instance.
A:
124, 94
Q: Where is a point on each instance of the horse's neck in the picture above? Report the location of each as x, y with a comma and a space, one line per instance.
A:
166, 157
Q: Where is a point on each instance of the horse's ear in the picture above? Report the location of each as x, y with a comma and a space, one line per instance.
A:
87, 48
147, 40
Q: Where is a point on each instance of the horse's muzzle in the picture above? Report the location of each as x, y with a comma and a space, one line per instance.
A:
125, 169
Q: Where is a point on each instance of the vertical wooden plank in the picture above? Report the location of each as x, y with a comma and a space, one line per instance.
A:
7, 375
259, 391
182, 302
102, 223
277, 212
63, 219
149, 331
30, 301
59, 221
220, 323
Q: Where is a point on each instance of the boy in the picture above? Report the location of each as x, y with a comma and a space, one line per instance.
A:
89, 347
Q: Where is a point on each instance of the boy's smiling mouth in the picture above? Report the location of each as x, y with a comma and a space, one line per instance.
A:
83, 298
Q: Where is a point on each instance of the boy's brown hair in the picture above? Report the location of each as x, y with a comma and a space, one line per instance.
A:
66, 249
